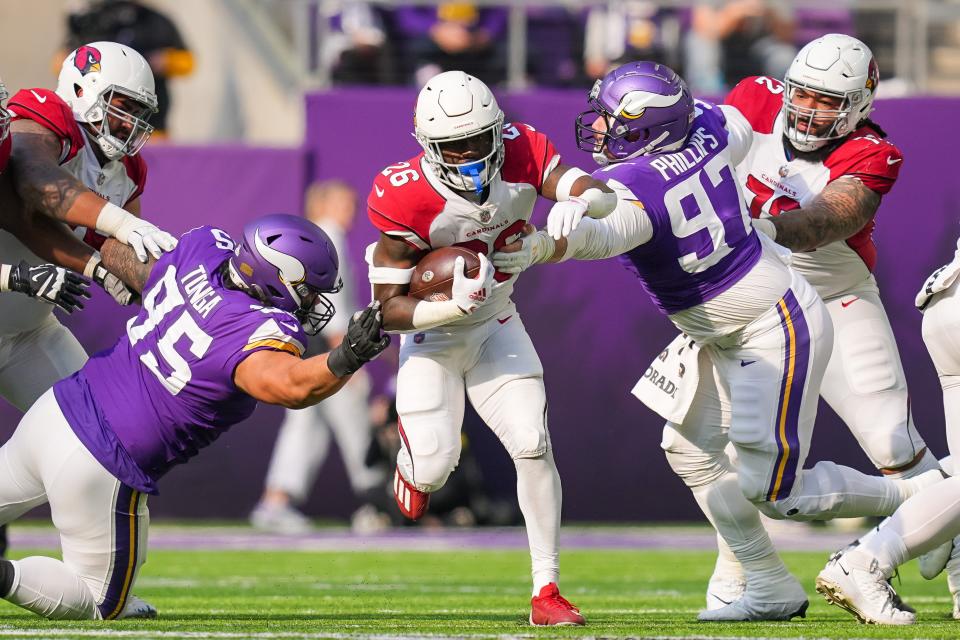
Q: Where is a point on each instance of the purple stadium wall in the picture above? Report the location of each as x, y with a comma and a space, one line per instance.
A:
593, 326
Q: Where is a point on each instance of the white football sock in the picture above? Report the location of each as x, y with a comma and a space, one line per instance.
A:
727, 563
540, 496
49, 588
738, 522
926, 520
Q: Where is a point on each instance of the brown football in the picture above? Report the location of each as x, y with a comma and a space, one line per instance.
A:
433, 276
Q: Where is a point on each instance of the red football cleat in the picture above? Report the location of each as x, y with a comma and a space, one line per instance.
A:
552, 609
413, 503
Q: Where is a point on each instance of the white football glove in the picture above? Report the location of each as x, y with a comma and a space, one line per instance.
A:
110, 283
565, 216
471, 294
534, 248
765, 226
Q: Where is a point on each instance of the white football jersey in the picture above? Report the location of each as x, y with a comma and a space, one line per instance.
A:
408, 202
774, 180
119, 181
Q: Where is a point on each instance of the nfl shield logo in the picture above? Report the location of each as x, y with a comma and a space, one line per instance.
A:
485, 217
417, 339
784, 170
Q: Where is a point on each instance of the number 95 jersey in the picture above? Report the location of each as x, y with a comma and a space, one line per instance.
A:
165, 390
409, 203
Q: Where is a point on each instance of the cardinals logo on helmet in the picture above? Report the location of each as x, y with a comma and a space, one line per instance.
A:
87, 60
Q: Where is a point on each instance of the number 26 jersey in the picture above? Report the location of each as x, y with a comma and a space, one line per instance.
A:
409, 203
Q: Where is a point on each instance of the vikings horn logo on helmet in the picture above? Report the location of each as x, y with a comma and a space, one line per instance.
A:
87, 60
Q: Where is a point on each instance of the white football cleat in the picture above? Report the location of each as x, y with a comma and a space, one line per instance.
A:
953, 580
724, 589
852, 581
933, 562
776, 602
137, 608
280, 518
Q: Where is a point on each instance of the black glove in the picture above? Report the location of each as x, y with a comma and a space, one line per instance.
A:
362, 343
49, 283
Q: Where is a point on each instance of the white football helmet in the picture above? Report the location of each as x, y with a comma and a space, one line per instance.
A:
97, 76
4, 114
458, 112
834, 65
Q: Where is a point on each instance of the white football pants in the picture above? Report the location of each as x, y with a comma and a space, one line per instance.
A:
497, 366
32, 361
864, 381
304, 442
102, 522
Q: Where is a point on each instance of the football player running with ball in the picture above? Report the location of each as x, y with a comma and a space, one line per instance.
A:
682, 226
221, 328
474, 185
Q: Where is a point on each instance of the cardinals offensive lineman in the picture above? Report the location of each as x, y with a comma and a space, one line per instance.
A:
474, 185
75, 160
48, 283
813, 179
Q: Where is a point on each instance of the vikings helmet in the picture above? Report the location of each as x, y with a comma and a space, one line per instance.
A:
97, 76
288, 262
637, 109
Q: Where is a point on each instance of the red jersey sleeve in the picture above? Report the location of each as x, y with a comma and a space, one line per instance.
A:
759, 99
403, 204
865, 155
528, 155
47, 109
136, 168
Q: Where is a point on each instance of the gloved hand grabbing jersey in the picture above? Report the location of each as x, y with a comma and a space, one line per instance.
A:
46, 282
362, 343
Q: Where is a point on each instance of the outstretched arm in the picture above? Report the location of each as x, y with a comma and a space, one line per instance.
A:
843, 208
577, 195
121, 261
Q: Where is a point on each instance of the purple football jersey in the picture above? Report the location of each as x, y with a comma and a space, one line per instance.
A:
165, 390
702, 241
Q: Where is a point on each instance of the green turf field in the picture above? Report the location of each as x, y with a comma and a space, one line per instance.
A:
233, 594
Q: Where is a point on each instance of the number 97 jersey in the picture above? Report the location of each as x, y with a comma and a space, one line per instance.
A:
165, 390
409, 203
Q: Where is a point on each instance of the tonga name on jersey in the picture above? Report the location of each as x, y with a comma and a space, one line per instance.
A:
165, 390
408, 202
774, 179
702, 241
119, 181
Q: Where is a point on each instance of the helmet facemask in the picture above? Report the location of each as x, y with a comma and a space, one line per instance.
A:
131, 127
315, 310
821, 125
484, 145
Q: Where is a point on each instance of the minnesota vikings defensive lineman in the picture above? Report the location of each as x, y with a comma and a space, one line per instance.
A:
682, 226
474, 185
222, 327
814, 179
46, 282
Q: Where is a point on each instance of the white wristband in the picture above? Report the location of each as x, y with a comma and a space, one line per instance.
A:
565, 183
5, 270
111, 219
601, 204
427, 314
92, 264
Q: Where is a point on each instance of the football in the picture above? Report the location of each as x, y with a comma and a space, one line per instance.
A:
433, 275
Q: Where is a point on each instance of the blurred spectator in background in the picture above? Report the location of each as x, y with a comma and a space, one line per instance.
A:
454, 35
627, 30
146, 30
356, 49
732, 39
555, 46
304, 439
